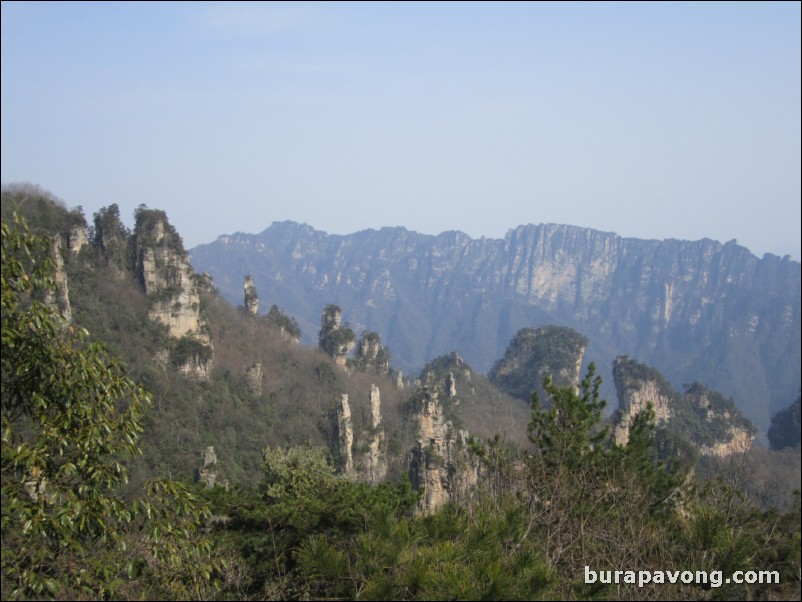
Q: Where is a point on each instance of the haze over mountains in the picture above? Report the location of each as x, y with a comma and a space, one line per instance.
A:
696, 310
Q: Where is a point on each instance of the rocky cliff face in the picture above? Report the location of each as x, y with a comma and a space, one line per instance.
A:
637, 388
698, 310
111, 237
78, 238
345, 430
59, 297
711, 423
376, 461
173, 292
441, 464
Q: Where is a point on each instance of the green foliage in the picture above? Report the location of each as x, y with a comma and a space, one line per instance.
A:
483, 554
112, 238
570, 499
333, 339
69, 412
70, 416
146, 221
300, 500
296, 473
284, 322
187, 349
594, 504
371, 356
45, 214
694, 410
785, 427
535, 353
562, 435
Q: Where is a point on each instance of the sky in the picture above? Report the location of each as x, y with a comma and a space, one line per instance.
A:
654, 120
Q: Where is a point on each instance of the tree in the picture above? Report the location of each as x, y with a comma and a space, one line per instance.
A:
564, 434
593, 504
70, 417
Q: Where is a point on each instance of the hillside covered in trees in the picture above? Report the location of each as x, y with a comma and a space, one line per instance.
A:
162, 443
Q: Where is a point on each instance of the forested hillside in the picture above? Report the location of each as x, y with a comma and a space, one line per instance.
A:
159, 442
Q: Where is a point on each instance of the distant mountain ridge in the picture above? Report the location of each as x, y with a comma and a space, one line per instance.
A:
696, 310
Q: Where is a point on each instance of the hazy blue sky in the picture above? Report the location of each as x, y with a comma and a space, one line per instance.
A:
649, 120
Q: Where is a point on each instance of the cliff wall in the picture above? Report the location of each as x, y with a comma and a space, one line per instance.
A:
695, 309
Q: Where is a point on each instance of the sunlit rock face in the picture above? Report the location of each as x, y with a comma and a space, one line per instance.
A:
703, 417
173, 291
251, 298
441, 464
376, 461
345, 430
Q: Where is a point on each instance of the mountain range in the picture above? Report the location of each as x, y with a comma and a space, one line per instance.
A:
695, 310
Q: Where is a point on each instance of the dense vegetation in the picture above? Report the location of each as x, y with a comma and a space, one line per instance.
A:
537, 352
92, 445
785, 427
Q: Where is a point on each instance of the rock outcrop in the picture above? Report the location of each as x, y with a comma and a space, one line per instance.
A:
173, 292
371, 356
703, 417
207, 472
251, 298
111, 237
376, 460
637, 388
78, 238
441, 464
59, 296
335, 339
535, 353
345, 431
451, 386
253, 377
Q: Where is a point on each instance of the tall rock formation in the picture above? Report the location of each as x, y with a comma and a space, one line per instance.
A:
111, 237
59, 296
371, 355
173, 291
441, 464
207, 472
335, 339
703, 417
535, 353
700, 310
345, 431
253, 377
251, 298
376, 460
637, 387
78, 238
